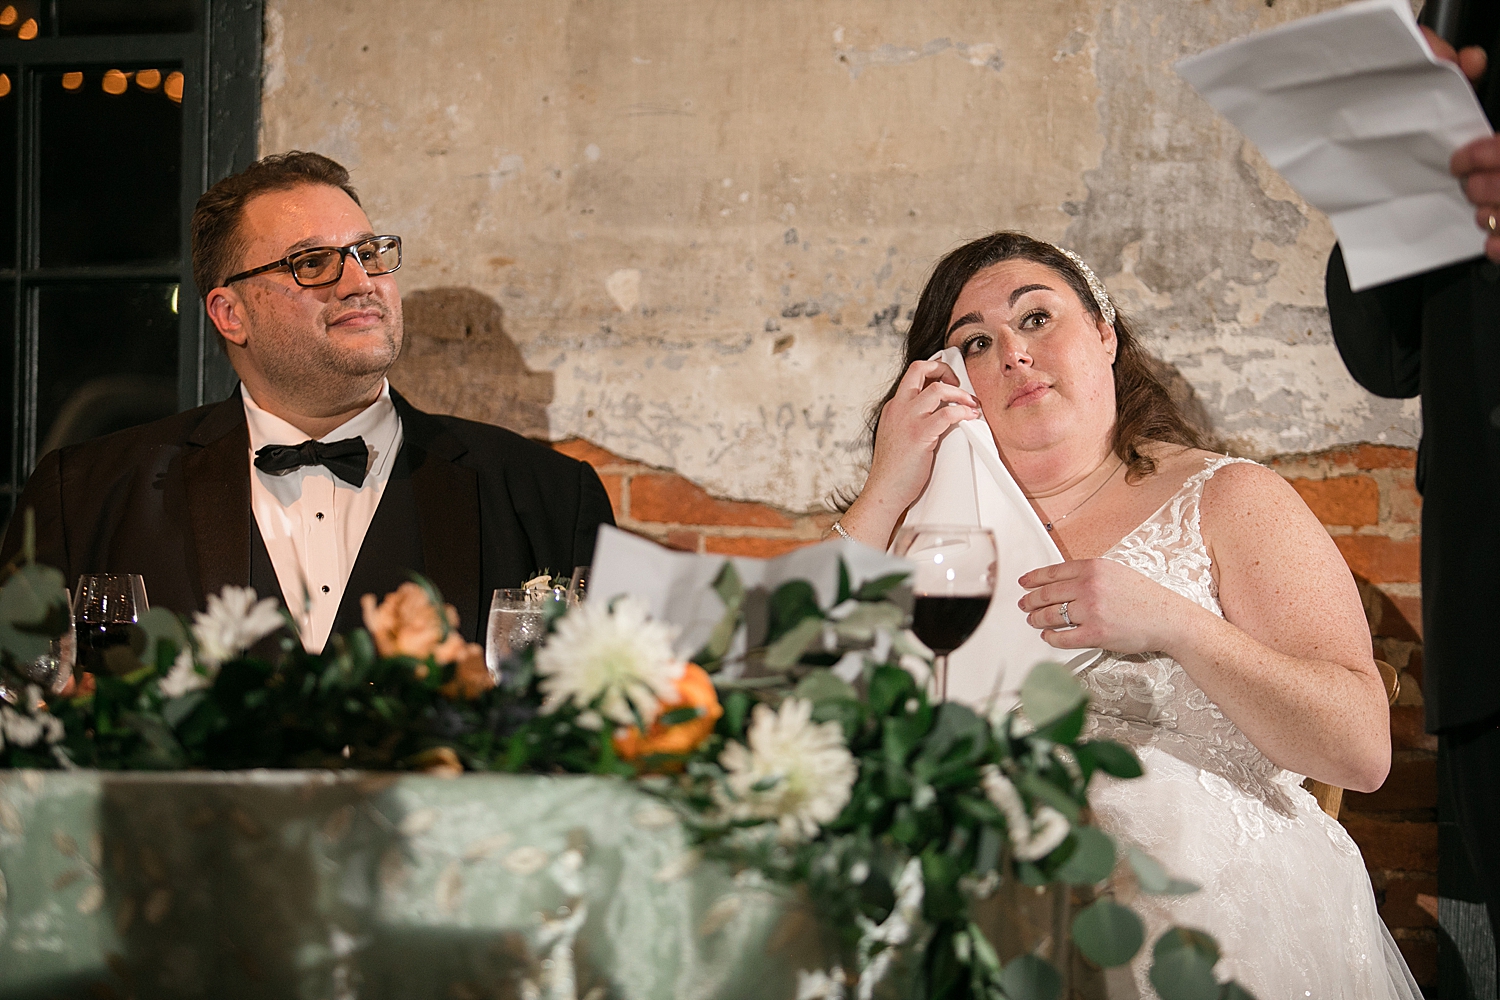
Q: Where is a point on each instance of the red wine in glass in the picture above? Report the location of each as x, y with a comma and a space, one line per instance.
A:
104, 608
953, 580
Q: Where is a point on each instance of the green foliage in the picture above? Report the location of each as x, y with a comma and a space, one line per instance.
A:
1182, 965
1049, 693
33, 611
1027, 977
1108, 933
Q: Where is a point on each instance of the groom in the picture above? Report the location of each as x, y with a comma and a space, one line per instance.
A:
315, 481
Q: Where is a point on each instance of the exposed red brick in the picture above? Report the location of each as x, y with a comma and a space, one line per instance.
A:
1393, 845
760, 548
1384, 456
1406, 502
1345, 500
1412, 784
1398, 902
1421, 958
1380, 559
1410, 609
682, 541
1414, 664
1408, 729
587, 451
670, 499
615, 487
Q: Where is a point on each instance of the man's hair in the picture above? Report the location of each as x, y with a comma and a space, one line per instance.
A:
217, 243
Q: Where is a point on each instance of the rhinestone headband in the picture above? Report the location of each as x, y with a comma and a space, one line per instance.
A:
1096, 287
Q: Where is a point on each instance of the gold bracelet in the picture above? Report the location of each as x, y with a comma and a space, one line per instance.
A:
842, 533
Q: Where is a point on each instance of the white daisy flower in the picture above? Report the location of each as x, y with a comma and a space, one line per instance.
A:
234, 622
184, 676
22, 730
1033, 837
795, 771
617, 653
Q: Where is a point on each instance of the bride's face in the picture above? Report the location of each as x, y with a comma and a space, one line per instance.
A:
1039, 362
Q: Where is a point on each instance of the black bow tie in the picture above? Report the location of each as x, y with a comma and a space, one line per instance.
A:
346, 459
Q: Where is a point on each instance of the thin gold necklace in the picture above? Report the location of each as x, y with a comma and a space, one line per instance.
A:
1050, 525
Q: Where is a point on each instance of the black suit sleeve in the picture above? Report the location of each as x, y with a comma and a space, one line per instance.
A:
1378, 331
42, 495
593, 510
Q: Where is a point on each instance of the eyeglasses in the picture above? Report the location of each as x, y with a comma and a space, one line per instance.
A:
316, 267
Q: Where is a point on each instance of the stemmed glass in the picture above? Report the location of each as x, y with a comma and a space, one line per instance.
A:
953, 583
104, 608
578, 586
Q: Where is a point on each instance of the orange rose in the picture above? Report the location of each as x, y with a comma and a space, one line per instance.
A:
471, 678
439, 761
695, 689
407, 624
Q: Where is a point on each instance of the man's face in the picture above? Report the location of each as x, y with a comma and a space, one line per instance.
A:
314, 341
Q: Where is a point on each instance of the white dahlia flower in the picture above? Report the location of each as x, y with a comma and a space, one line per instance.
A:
1033, 837
795, 771
616, 652
233, 623
184, 676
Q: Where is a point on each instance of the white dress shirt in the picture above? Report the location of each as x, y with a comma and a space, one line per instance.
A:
313, 522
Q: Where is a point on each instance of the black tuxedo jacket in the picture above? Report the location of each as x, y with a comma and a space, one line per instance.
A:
1438, 335
471, 506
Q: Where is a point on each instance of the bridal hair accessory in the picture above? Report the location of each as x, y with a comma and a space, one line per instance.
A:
1066, 620
1096, 287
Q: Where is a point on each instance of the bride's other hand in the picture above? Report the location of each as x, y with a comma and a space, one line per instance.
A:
928, 403
1112, 606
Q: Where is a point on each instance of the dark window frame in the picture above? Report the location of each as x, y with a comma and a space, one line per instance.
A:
221, 64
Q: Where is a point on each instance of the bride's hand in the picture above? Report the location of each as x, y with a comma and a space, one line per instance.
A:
1114, 607
911, 425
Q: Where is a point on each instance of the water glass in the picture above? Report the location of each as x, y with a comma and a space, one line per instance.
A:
517, 619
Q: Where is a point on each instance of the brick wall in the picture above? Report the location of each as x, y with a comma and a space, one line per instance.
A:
1366, 498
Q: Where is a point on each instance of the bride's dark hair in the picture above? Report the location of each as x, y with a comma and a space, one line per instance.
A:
1144, 409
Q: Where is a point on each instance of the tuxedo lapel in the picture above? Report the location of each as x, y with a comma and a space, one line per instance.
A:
217, 473
447, 502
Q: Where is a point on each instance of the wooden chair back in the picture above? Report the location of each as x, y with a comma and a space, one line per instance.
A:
1331, 797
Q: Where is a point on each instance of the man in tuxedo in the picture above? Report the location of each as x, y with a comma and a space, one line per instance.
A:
1437, 335
315, 481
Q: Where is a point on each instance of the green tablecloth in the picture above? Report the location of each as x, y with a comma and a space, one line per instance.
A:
319, 884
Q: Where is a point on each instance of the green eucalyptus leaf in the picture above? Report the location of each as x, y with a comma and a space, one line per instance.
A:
941, 898
1107, 933
1040, 788
1153, 878
958, 731
1110, 757
1234, 991
1092, 860
731, 591
824, 685
1049, 693
1182, 965
361, 648
1066, 729
792, 604
31, 599
161, 625
902, 734
1028, 977
789, 647
890, 689
728, 586
178, 709
861, 624
876, 589
844, 592
984, 952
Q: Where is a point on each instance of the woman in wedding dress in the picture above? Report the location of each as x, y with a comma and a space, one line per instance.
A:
1238, 658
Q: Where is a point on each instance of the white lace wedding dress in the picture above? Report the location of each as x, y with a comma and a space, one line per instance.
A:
1284, 889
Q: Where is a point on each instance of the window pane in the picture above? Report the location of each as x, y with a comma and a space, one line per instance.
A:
136, 17
9, 109
8, 395
110, 163
106, 359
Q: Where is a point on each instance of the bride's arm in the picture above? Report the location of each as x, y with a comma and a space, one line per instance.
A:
927, 403
1290, 663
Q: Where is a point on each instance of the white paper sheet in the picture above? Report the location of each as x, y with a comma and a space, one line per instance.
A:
1359, 116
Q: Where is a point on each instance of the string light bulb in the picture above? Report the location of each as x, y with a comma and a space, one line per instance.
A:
115, 82
148, 79
8, 16
72, 81
27, 30
173, 86
4, 84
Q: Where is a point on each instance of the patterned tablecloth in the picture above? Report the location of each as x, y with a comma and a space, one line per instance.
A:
314, 884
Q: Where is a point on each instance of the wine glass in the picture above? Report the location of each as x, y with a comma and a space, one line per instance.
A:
517, 619
104, 608
953, 583
578, 586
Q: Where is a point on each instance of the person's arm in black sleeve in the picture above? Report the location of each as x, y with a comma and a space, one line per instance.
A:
593, 510
43, 496
1378, 331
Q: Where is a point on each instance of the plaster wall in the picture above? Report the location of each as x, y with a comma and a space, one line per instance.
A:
692, 232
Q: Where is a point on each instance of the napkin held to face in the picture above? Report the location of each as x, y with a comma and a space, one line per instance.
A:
970, 485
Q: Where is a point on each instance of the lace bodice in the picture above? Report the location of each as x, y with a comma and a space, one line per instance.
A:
1148, 699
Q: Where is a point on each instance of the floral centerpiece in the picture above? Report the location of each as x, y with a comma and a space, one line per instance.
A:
814, 758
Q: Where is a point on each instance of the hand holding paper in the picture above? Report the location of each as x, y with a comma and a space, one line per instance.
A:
1355, 111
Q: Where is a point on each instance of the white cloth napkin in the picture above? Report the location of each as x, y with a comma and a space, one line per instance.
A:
970, 485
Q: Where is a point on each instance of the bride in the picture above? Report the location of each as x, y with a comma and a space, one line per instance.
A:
1238, 659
